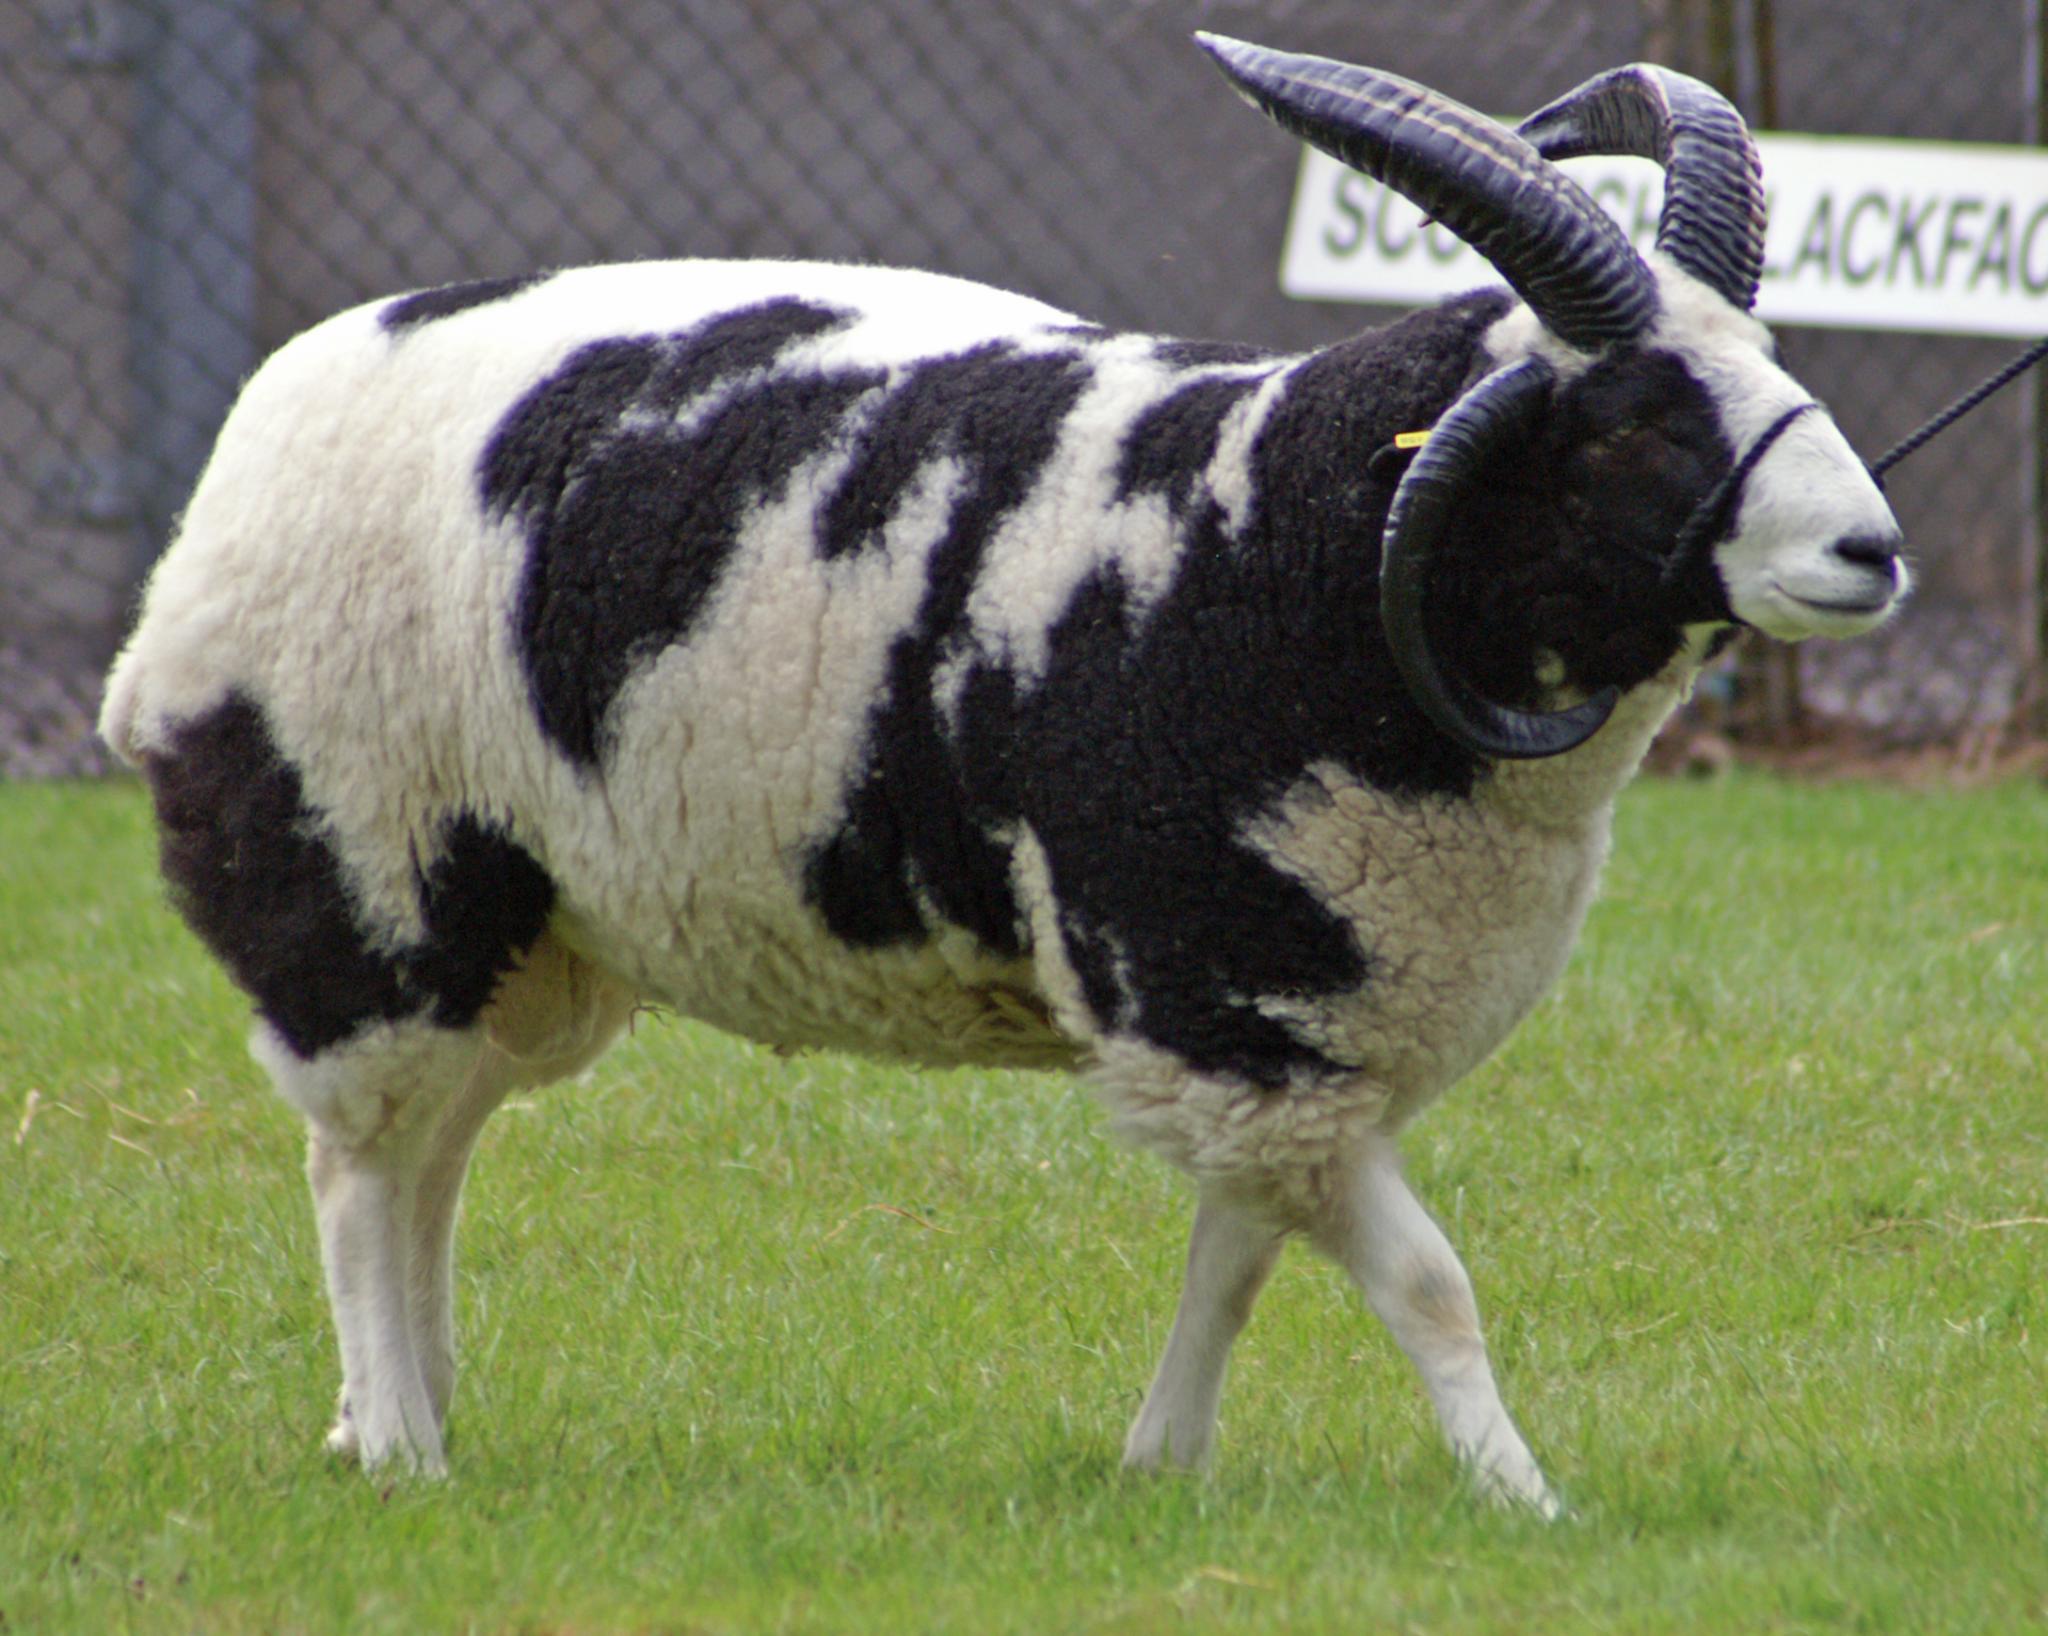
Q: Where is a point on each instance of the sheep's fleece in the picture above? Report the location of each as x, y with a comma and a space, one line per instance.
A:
871, 660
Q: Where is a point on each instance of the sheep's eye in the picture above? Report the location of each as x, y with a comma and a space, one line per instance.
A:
1614, 441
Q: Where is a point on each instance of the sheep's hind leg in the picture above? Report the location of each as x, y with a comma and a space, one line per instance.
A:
550, 1017
1379, 1232
1230, 1254
430, 1258
375, 1108
395, 1059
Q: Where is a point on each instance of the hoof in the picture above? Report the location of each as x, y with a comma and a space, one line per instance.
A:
342, 1441
400, 1452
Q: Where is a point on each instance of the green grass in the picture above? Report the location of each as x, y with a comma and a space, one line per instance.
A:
1754, 1205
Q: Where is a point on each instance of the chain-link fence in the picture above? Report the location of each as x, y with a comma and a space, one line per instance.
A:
184, 183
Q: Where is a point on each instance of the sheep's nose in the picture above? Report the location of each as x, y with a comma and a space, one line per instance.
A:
1879, 552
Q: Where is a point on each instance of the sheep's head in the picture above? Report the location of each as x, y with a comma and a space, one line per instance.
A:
1780, 520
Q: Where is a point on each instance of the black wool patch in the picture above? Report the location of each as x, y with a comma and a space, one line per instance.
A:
631, 506
1135, 763
1171, 444
1311, 542
1150, 741
1573, 559
1188, 354
409, 312
255, 877
911, 828
485, 900
995, 410
251, 873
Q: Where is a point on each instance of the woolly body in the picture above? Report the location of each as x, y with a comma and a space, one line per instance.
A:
392, 682
872, 660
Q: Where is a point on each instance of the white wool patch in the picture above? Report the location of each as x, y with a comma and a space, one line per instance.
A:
1518, 333
1058, 982
1230, 470
1465, 916
733, 754
358, 599
1270, 1147
1073, 526
1466, 912
902, 313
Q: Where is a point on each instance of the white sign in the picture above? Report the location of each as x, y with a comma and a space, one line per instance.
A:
1865, 234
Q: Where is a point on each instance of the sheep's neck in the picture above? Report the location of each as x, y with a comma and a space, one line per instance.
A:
1570, 790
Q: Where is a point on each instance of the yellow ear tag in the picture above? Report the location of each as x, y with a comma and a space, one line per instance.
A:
1410, 440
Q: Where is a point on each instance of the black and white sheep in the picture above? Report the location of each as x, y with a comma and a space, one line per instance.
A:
868, 659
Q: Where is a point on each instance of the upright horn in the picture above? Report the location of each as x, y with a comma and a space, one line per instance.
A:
1714, 213
1497, 413
1562, 253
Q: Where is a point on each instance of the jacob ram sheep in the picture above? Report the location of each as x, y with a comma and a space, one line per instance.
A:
872, 660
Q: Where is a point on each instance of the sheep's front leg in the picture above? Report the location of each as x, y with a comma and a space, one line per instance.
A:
1230, 1254
1379, 1232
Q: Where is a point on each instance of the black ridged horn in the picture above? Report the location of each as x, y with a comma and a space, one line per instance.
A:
1500, 411
1562, 253
1714, 214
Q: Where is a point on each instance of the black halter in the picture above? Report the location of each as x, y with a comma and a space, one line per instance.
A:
1711, 518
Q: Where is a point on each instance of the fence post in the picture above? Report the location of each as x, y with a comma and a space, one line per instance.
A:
2031, 711
1740, 59
193, 293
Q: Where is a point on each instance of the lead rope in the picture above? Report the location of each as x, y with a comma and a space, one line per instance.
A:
1955, 411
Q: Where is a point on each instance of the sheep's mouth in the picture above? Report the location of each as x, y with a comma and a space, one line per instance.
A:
1841, 607
1835, 615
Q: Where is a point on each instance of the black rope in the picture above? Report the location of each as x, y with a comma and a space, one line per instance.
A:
1961, 407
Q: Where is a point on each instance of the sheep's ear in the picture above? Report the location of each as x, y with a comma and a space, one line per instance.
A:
1563, 254
1714, 212
1501, 410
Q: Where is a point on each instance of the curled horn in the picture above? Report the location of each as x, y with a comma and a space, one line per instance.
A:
1714, 213
1562, 253
1499, 412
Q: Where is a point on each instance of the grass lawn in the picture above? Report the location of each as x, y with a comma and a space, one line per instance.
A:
1757, 1206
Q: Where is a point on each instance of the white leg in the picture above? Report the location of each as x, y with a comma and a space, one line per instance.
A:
1230, 1254
394, 1108
372, 1105
551, 1017
1378, 1231
364, 1201
430, 1282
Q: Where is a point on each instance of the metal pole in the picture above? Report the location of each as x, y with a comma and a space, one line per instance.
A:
193, 307
1763, 40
